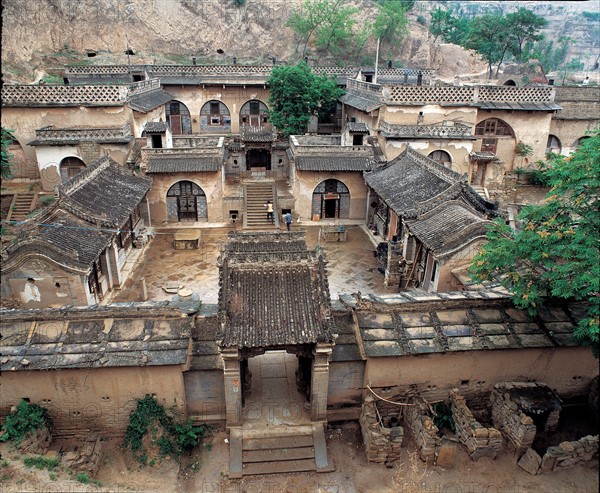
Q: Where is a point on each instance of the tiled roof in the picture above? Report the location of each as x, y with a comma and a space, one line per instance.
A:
525, 106
264, 133
357, 127
147, 101
362, 100
273, 298
332, 163
61, 237
409, 179
104, 193
155, 127
418, 323
186, 164
447, 227
95, 337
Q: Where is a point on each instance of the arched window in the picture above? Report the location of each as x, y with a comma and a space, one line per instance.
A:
331, 200
578, 142
254, 112
553, 144
70, 167
510, 82
215, 117
186, 201
493, 127
178, 117
441, 157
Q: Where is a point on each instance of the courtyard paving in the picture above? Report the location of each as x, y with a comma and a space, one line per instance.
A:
351, 265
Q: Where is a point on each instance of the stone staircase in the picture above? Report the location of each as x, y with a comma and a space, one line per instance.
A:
275, 450
255, 216
482, 191
22, 205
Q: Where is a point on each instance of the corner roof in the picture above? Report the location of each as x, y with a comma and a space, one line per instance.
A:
448, 227
274, 292
104, 193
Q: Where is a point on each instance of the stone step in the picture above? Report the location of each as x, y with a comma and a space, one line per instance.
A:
273, 455
278, 443
278, 467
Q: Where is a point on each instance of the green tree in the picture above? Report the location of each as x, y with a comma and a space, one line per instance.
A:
522, 26
452, 29
390, 23
490, 38
6, 170
296, 94
328, 23
555, 253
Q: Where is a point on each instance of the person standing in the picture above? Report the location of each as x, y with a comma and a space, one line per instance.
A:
288, 220
270, 217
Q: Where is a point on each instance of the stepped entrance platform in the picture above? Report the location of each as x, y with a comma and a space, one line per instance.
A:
277, 434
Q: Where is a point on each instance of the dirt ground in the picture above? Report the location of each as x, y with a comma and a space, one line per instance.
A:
206, 472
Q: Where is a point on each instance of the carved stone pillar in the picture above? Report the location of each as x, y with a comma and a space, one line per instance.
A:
320, 382
233, 386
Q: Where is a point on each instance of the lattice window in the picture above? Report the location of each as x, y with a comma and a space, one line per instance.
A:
553, 144
493, 126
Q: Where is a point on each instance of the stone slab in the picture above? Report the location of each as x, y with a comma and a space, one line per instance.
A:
530, 461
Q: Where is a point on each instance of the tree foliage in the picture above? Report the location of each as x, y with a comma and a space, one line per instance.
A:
555, 253
296, 94
332, 27
6, 170
493, 36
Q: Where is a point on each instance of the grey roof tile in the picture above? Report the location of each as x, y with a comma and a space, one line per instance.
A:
332, 163
188, 164
147, 101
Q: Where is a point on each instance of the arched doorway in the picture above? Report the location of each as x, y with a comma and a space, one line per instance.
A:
254, 113
178, 117
578, 142
510, 82
331, 200
70, 167
186, 201
553, 145
215, 117
441, 157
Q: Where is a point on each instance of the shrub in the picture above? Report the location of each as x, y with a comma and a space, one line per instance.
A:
29, 417
176, 438
443, 416
47, 199
41, 462
421, 20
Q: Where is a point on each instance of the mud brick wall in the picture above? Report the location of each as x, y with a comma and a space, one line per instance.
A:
383, 443
516, 426
567, 454
479, 440
420, 427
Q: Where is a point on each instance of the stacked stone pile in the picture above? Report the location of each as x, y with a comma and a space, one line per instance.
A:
383, 443
421, 428
479, 440
87, 459
567, 454
515, 425
36, 442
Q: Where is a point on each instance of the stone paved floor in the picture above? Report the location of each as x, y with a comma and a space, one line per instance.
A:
274, 399
351, 266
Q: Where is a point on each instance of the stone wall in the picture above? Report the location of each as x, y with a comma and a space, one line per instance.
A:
515, 425
36, 442
87, 458
479, 440
381, 432
420, 427
583, 451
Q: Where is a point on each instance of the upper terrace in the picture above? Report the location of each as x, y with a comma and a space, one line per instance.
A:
538, 98
20, 95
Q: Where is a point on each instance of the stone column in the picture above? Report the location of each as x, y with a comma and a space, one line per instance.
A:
233, 386
320, 382
112, 253
393, 268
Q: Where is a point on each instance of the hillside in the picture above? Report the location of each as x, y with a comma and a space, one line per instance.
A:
41, 35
